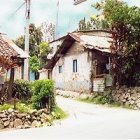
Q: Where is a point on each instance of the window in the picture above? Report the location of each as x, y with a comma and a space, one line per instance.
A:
74, 65
60, 69
101, 68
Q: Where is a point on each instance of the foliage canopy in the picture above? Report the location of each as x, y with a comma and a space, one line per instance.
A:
124, 24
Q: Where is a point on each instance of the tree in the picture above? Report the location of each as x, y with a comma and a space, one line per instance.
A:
124, 23
34, 40
34, 65
20, 42
95, 22
48, 30
44, 50
37, 48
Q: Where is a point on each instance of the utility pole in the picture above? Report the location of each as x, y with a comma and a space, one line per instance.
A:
26, 61
57, 21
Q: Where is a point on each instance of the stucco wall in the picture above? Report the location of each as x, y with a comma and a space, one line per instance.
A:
68, 80
43, 74
54, 45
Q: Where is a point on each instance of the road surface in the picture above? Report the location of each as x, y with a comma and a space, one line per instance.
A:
85, 121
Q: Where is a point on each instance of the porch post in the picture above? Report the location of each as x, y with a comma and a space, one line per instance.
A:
11, 83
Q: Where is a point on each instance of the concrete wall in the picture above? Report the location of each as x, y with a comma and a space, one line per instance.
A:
43, 74
68, 80
54, 45
18, 73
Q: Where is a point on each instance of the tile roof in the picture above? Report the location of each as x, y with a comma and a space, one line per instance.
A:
9, 51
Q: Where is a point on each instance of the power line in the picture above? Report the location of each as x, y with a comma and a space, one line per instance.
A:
14, 13
19, 8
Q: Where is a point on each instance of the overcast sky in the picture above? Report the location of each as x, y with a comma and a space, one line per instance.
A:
43, 10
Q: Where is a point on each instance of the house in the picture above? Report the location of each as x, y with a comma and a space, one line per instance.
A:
11, 57
17, 61
82, 62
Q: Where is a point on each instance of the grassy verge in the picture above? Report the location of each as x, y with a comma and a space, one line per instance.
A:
104, 101
58, 113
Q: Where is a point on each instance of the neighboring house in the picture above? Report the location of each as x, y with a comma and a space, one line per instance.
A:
82, 62
11, 56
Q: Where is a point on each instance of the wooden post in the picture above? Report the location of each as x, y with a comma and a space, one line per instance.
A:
11, 83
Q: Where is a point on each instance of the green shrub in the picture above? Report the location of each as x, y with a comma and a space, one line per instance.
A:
22, 108
21, 89
43, 92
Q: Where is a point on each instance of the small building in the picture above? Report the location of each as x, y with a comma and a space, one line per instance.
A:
11, 59
82, 62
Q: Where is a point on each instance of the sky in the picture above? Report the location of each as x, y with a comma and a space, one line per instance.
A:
45, 10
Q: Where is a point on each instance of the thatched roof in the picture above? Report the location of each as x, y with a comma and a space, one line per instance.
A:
10, 53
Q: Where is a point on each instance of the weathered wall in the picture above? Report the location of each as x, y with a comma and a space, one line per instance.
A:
18, 73
68, 80
54, 45
43, 74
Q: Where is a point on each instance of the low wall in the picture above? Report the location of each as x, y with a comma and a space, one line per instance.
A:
13, 119
127, 96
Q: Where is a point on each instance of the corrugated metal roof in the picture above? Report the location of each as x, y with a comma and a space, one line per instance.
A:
100, 43
94, 42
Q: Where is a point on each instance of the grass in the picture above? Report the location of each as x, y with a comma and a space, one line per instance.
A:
103, 101
58, 113
21, 107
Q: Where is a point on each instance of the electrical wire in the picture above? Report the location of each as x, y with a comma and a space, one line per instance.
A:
14, 13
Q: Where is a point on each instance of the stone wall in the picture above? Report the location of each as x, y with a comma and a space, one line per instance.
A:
13, 119
127, 96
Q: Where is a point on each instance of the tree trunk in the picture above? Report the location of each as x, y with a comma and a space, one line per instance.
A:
11, 83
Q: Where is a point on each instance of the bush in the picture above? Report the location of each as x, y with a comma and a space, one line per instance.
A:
21, 89
43, 92
22, 108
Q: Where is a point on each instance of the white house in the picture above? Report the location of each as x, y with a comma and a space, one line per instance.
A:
82, 62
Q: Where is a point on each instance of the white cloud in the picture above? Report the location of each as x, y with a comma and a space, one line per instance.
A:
42, 10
